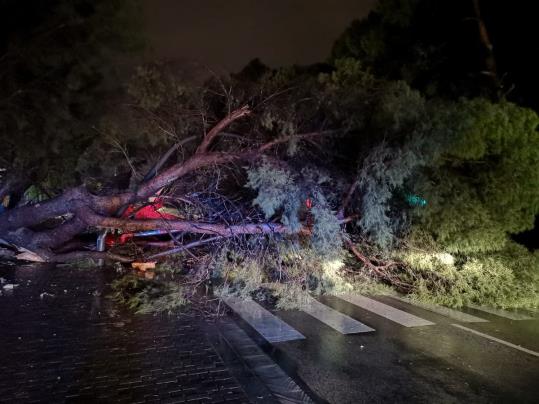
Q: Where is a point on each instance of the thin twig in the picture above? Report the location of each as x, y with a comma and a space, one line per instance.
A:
185, 247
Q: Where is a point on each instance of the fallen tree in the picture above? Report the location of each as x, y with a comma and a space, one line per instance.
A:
87, 210
81, 210
333, 183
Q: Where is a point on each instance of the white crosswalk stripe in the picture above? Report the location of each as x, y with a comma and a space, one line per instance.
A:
500, 341
336, 320
272, 328
384, 310
501, 313
444, 311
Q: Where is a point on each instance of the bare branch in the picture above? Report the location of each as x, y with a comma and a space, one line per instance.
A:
185, 247
94, 255
348, 198
285, 139
157, 166
221, 125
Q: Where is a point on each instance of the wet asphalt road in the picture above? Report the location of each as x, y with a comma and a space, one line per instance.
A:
62, 341
438, 363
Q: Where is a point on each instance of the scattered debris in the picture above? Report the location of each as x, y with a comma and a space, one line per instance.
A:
28, 255
143, 266
9, 286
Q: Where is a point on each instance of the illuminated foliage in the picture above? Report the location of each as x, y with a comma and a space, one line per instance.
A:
484, 184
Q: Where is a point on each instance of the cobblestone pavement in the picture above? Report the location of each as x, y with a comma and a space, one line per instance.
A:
62, 340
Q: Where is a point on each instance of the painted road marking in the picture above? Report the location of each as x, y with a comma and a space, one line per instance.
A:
444, 311
333, 318
500, 341
384, 310
284, 389
272, 328
502, 313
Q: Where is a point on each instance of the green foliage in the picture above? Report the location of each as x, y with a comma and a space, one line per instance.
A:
384, 170
148, 296
242, 276
485, 184
390, 163
475, 161
280, 192
132, 137
507, 278
288, 275
399, 108
347, 93
172, 266
326, 232
348, 73
372, 40
276, 190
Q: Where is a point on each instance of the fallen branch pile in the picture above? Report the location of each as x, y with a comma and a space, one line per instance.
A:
76, 210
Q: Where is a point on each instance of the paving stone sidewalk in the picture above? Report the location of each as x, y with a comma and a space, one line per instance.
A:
61, 341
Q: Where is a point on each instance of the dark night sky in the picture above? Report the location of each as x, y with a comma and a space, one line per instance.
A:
226, 34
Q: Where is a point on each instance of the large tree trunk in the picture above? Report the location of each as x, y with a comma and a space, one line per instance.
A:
82, 209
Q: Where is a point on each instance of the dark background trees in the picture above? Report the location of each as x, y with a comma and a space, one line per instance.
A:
59, 72
444, 48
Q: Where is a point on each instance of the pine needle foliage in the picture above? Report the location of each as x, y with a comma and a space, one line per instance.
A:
145, 296
277, 192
